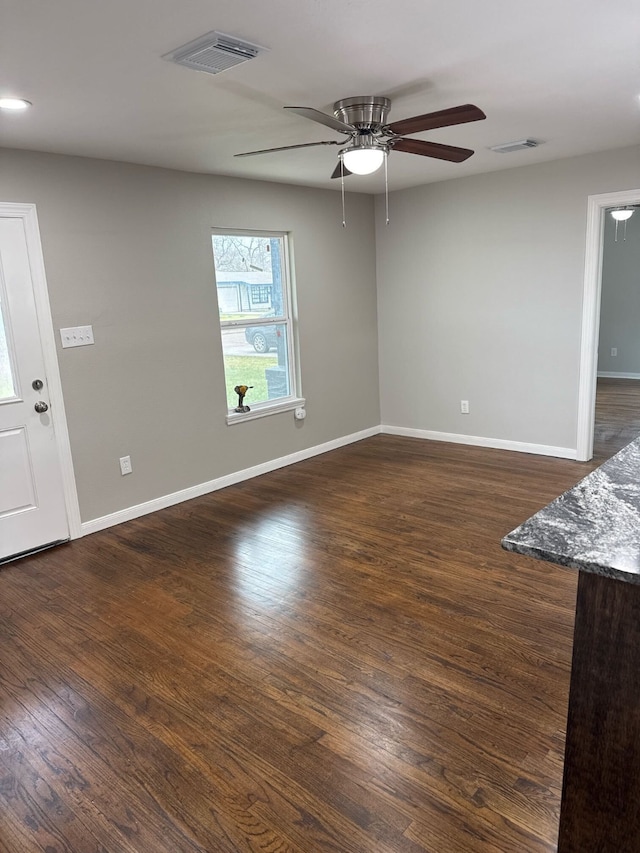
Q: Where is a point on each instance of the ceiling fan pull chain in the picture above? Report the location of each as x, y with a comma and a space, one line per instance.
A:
386, 187
344, 218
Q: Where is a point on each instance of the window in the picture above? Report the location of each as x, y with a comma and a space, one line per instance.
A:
261, 294
7, 384
254, 302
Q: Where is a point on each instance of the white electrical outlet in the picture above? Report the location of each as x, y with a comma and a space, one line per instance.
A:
125, 465
464, 407
77, 336
614, 351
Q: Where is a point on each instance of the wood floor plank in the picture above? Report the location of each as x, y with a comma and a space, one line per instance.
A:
335, 657
617, 415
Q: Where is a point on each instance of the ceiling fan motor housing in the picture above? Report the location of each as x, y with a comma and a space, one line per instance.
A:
366, 112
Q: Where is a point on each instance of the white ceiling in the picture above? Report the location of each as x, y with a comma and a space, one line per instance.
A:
563, 71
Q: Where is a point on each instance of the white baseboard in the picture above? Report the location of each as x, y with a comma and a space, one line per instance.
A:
220, 483
481, 441
197, 491
611, 374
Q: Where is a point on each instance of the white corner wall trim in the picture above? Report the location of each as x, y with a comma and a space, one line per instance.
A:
481, 441
612, 374
221, 482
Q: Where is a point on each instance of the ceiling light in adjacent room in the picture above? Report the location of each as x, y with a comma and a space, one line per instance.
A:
622, 214
14, 104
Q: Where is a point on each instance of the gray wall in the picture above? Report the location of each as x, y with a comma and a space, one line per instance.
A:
128, 250
620, 301
480, 297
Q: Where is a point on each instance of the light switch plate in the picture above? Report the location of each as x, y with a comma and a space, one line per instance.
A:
77, 336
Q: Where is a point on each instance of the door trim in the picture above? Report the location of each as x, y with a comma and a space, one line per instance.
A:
591, 314
27, 213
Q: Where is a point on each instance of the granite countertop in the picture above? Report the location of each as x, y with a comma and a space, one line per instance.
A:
595, 526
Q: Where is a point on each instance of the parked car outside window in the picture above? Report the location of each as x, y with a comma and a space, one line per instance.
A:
262, 338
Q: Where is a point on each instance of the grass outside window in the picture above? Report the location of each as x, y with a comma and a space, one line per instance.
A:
247, 370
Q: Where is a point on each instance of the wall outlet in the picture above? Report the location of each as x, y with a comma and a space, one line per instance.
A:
77, 336
464, 407
125, 465
614, 351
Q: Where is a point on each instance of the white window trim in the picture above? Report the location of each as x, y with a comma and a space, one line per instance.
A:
282, 404
263, 410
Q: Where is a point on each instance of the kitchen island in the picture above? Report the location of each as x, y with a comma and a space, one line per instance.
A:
595, 528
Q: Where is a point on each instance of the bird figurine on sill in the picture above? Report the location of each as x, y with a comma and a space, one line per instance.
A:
241, 391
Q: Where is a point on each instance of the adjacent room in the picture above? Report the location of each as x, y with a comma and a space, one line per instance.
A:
281, 365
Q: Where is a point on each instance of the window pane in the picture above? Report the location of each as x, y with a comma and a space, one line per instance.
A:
7, 387
257, 356
249, 273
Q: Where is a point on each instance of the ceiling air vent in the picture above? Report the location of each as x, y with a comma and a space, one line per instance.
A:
520, 145
214, 53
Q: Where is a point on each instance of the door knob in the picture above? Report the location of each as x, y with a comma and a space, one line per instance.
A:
41, 407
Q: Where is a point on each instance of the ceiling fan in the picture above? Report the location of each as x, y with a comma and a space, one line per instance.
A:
363, 120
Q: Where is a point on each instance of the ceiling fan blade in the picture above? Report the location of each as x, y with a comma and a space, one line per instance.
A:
442, 118
322, 118
431, 149
289, 147
340, 170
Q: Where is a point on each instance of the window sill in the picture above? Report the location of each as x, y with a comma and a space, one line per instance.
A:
262, 410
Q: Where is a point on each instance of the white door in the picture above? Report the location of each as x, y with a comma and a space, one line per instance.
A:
32, 502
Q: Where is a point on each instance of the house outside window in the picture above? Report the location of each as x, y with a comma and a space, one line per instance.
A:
253, 282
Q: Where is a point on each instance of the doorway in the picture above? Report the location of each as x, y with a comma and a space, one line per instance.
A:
38, 500
596, 211
617, 419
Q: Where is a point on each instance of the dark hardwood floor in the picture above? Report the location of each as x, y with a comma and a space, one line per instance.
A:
617, 416
335, 657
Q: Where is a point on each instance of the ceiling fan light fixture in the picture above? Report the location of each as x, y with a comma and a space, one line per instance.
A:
370, 139
363, 160
622, 214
